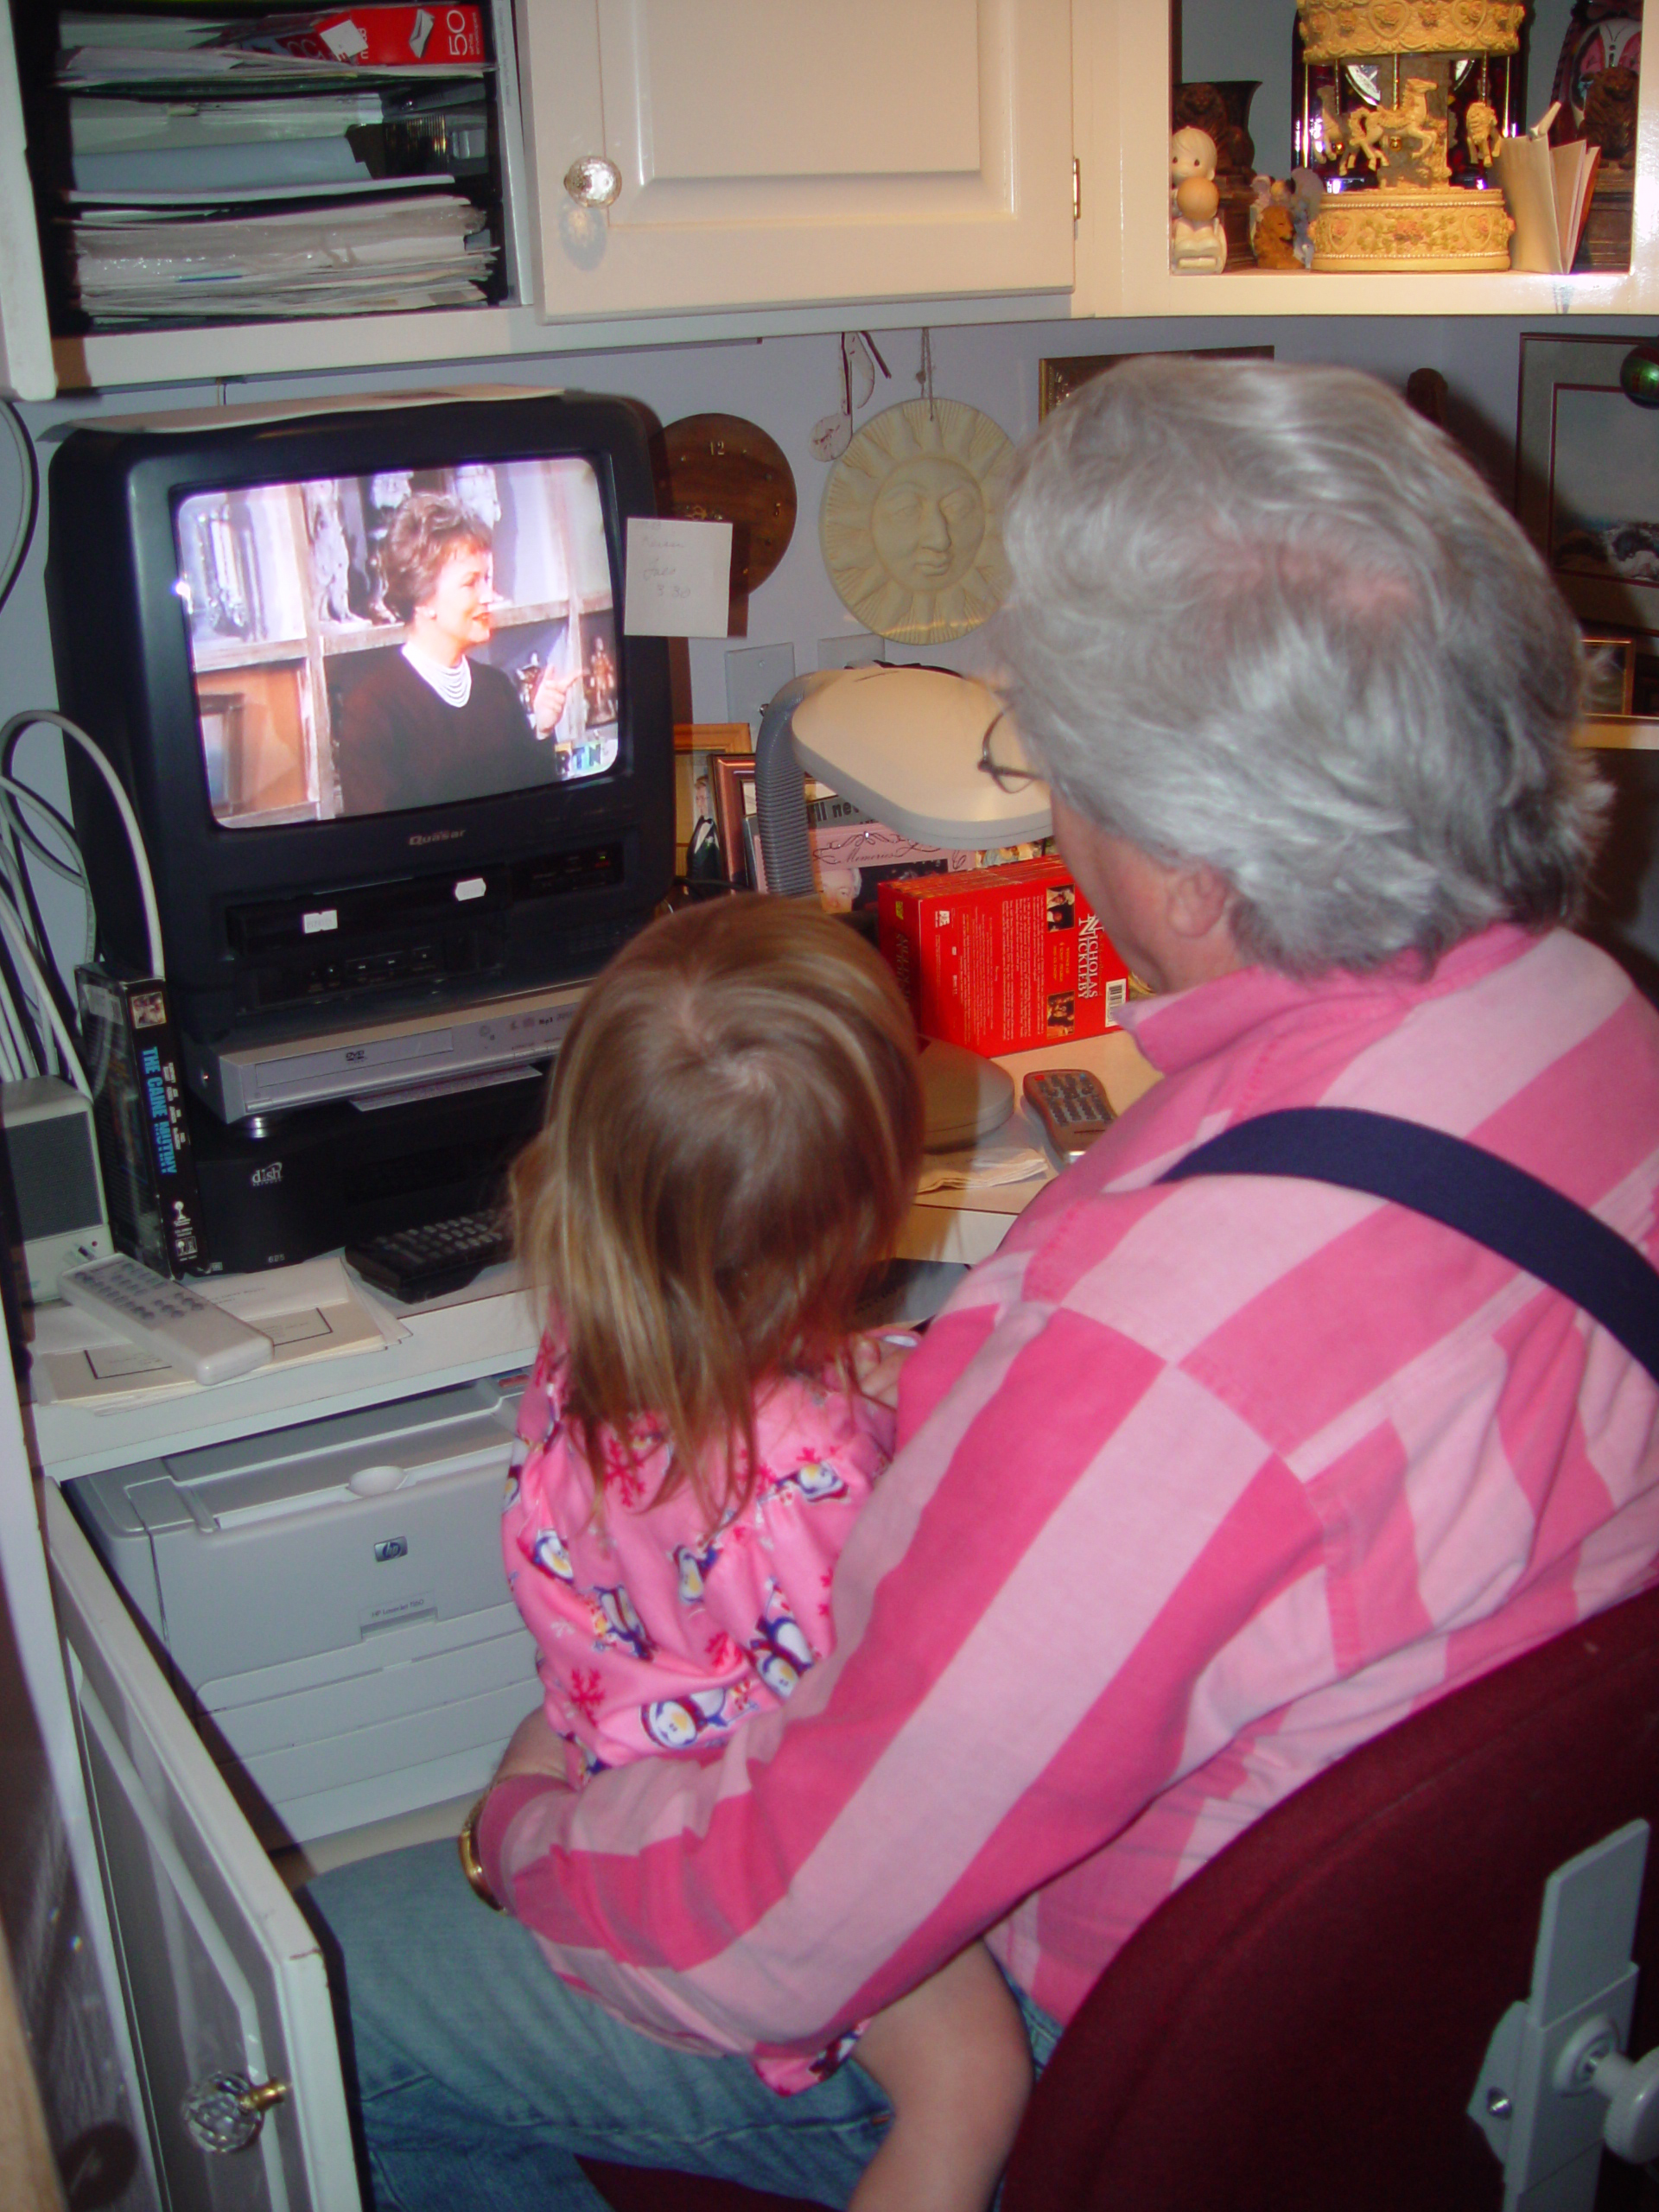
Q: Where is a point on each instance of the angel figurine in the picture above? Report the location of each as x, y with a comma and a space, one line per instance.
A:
1196, 239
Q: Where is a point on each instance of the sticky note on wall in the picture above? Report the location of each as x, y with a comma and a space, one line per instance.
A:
678, 582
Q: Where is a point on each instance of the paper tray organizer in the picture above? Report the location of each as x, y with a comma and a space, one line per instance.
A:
347, 1657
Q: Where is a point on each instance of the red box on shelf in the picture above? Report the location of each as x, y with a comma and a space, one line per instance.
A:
375, 35
1001, 959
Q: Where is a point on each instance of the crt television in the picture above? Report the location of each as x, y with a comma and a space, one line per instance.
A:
362, 671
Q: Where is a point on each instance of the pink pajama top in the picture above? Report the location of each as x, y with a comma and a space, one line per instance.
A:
655, 1633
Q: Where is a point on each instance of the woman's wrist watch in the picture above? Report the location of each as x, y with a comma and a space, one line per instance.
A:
471, 1865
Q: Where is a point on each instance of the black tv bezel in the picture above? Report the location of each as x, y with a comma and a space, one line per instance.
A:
125, 673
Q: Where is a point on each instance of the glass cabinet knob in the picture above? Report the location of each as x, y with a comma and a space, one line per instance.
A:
592, 181
225, 2112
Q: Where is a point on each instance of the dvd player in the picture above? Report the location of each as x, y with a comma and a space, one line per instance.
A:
245, 1076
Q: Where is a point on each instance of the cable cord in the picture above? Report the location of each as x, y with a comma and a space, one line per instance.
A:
13, 872
68, 1049
28, 507
9, 735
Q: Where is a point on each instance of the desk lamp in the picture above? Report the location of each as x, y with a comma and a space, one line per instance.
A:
904, 745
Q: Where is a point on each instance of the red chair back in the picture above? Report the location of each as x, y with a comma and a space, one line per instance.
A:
1300, 2026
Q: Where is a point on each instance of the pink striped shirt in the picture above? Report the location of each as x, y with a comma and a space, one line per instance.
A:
1198, 1486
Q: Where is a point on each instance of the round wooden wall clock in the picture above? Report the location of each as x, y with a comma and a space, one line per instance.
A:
721, 468
912, 522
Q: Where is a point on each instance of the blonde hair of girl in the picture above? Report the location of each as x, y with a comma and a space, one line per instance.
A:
733, 1138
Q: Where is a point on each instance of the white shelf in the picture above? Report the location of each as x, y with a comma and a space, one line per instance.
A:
1121, 61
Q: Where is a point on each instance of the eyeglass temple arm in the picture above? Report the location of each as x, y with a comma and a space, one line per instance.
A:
781, 789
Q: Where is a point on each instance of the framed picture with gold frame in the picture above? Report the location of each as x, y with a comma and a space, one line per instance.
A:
696, 745
1059, 379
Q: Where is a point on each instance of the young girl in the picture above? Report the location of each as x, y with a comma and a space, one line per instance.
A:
732, 1142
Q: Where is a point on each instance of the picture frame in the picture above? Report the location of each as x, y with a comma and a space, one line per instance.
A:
1059, 377
1610, 675
1587, 492
732, 790
696, 745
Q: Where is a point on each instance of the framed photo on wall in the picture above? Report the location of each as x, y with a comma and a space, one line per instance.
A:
1587, 492
1060, 377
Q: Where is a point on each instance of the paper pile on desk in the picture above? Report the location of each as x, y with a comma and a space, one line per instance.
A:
310, 1311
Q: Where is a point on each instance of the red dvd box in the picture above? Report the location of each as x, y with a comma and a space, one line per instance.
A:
1001, 959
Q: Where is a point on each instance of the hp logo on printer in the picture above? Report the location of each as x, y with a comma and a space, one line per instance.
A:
262, 1177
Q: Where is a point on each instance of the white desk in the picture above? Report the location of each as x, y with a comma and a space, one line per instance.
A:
453, 1341
968, 1226
200, 1913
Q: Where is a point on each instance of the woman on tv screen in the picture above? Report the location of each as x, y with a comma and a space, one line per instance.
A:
428, 723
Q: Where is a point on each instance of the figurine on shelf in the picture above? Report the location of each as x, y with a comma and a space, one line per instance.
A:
1196, 239
1308, 198
1275, 239
1391, 84
1481, 133
1277, 233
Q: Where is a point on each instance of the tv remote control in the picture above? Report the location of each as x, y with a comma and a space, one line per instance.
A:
1072, 1108
169, 1318
439, 1256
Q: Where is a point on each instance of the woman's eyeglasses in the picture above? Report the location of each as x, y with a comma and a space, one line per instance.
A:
1007, 775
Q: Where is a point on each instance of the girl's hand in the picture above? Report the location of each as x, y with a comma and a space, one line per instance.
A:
876, 1363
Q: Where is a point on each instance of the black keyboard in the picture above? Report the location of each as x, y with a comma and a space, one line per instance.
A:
439, 1256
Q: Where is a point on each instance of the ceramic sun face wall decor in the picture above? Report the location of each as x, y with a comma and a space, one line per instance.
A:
1406, 84
911, 521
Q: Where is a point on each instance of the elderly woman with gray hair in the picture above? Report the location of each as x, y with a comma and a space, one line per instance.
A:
1200, 1482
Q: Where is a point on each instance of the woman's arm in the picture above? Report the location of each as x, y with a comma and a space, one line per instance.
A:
534, 1748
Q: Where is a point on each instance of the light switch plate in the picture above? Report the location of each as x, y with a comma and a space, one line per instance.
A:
859, 651
753, 675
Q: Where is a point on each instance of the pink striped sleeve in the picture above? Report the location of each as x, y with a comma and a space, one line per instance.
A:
917, 1784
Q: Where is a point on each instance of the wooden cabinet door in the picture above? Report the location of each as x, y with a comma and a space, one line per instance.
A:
222, 1974
782, 152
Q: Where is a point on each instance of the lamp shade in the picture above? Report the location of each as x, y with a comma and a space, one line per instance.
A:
904, 743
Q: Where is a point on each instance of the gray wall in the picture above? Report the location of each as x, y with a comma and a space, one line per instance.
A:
786, 384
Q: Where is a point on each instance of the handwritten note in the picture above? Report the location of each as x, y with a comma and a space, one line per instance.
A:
679, 578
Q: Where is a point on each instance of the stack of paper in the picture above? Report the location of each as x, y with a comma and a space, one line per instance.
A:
1547, 191
121, 145
215, 181
168, 256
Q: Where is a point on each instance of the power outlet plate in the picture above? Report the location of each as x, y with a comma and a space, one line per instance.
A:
753, 675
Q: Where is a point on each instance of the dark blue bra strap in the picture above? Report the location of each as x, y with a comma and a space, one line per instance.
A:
1458, 1183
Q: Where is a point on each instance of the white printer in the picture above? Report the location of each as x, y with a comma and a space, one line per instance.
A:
330, 1604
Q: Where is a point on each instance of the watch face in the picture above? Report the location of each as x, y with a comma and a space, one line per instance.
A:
911, 521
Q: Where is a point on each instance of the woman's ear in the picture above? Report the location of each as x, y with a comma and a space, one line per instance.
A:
1197, 900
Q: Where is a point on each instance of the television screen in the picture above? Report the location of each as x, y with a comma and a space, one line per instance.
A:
367, 644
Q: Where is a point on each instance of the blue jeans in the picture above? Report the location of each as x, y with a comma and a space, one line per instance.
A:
480, 2076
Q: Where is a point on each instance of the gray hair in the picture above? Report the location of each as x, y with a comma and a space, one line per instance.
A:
1266, 618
